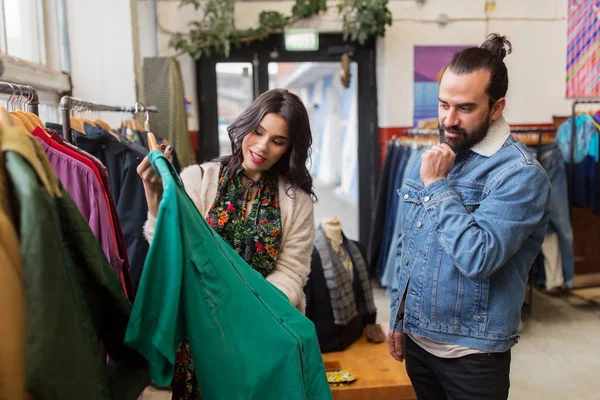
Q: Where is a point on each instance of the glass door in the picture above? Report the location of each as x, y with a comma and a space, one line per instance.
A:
234, 95
332, 109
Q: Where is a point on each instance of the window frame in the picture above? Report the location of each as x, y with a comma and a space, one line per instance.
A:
47, 77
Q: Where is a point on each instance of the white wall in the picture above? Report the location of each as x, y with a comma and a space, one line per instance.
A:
101, 47
537, 29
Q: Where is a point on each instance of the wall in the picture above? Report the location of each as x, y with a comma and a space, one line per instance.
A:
101, 50
537, 29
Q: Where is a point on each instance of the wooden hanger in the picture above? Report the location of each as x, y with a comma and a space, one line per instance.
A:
422, 140
531, 140
77, 125
5, 118
136, 125
28, 125
38, 119
17, 122
152, 144
85, 121
103, 124
30, 117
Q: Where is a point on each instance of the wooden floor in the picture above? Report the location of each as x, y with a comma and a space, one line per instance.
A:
379, 376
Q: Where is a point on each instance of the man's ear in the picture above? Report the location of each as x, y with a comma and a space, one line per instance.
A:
498, 109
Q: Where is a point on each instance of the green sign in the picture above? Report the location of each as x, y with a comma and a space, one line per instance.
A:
301, 40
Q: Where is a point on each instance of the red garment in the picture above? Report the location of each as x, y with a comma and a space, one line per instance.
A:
121, 244
41, 134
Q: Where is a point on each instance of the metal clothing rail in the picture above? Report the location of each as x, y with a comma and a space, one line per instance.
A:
418, 132
68, 103
33, 100
576, 103
533, 129
540, 130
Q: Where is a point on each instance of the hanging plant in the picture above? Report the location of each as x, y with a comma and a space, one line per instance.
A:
215, 32
364, 19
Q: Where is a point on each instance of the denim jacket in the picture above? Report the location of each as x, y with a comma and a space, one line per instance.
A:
466, 245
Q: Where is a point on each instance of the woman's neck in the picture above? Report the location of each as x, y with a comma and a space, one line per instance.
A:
252, 176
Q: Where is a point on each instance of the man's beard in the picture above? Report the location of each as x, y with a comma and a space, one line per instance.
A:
465, 140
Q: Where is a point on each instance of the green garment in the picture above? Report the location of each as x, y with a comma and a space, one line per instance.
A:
74, 299
247, 340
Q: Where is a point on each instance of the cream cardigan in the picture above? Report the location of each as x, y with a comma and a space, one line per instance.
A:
297, 226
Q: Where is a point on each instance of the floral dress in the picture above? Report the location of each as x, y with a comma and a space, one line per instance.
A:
257, 239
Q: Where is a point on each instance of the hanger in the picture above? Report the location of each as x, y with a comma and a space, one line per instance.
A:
152, 144
103, 124
16, 121
85, 120
136, 126
22, 121
76, 123
27, 115
5, 118
39, 121
533, 138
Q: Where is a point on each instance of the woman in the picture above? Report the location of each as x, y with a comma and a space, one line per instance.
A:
259, 199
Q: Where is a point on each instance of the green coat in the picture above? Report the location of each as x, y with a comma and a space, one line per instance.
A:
247, 340
74, 298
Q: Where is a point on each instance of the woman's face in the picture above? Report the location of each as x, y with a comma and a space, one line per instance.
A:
264, 146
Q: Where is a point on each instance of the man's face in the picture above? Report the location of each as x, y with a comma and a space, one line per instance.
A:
464, 112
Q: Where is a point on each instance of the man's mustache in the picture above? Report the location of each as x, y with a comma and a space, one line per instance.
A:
453, 129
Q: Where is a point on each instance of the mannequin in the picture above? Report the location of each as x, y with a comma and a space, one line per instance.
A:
332, 228
333, 232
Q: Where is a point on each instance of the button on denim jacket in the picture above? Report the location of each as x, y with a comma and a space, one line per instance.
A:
465, 248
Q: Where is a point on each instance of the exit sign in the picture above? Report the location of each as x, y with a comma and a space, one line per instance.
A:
301, 40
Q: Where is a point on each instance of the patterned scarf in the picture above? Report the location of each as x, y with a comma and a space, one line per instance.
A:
338, 279
257, 239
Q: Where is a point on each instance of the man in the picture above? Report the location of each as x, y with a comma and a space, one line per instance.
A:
474, 216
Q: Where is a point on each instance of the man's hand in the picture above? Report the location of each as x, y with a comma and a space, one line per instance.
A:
395, 342
436, 163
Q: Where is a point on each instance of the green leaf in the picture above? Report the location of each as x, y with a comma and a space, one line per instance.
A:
361, 20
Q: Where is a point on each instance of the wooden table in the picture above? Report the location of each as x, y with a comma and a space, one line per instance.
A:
379, 376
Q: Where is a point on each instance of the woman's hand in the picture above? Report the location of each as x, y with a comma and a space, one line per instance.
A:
152, 182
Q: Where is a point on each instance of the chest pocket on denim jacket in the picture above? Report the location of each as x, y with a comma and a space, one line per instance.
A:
409, 197
470, 196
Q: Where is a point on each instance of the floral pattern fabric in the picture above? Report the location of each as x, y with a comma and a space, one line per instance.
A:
256, 239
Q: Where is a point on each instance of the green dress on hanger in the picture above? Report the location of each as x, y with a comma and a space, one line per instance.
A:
256, 239
247, 340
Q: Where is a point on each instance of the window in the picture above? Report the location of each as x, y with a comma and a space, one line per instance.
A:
34, 49
234, 95
24, 30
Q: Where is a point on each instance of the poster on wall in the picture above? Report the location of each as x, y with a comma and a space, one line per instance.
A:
583, 49
430, 61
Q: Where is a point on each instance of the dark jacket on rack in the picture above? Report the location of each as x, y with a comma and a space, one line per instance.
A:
127, 189
319, 310
74, 299
375, 238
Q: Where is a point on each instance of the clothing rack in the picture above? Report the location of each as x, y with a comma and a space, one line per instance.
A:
68, 103
540, 130
32, 94
422, 132
576, 103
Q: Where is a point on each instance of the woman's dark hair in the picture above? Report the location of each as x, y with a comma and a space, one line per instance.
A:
292, 165
489, 56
